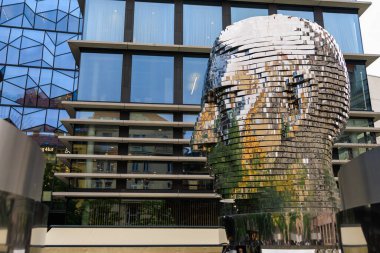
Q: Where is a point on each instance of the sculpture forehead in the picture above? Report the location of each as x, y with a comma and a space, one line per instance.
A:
271, 42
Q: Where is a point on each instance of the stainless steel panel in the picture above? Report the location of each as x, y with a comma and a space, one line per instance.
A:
22, 164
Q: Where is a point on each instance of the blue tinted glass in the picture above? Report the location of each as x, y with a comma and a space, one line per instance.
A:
345, 29
194, 70
100, 77
306, 14
201, 24
152, 79
104, 20
360, 99
240, 13
154, 23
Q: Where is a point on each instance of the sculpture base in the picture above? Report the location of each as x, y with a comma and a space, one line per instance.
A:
281, 231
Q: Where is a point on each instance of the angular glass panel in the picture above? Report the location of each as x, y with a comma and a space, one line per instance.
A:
154, 23
201, 24
4, 112
194, 70
11, 11
345, 28
33, 119
31, 54
305, 13
152, 79
13, 93
240, 13
104, 20
100, 77
360, 99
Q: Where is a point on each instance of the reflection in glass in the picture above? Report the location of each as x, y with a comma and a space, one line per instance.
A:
148, 213
152, 79
109, 115
195, 168
93, 166
304, 13
345, 28
151, 132
100, 77
360, 99
194, 70
188, 151
101, 131
153, 23
150, 149
92, 183
190, 118
240, 13
201, 24
150, 167
145, 184
104, 20
151, 116
92, 148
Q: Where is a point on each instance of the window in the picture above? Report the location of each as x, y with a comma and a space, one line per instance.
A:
151, 132
96, 130
360, 99
150, 116
154, 23
104, 20
306, 13
201, 24
100, 77
97, 115
152, 79
240, 13
345, 29
194, 70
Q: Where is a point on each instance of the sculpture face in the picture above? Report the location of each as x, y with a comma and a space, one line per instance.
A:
276, 96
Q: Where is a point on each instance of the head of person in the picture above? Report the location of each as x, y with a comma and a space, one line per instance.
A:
276, 95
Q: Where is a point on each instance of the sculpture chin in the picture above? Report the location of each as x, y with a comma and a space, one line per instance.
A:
276, 96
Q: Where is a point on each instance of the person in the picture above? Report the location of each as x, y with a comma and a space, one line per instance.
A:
254, 245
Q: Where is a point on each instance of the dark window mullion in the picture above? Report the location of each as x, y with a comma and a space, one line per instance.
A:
129, 20
178, 22
126, 78
226, 14
178, 80
318, 16
272, 9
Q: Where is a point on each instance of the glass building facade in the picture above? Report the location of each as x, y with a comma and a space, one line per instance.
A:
150, 95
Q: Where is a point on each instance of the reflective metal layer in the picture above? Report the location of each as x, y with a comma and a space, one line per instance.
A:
22, 163
276, 96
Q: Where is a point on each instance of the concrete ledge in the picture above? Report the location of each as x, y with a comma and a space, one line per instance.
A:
137, 237
177, 249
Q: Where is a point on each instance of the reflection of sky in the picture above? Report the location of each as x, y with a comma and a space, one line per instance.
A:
371, 36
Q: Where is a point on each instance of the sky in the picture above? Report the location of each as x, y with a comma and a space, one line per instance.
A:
370, 26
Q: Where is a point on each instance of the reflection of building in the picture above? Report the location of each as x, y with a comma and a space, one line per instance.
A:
152, 58
268, 122
38, 71
360, 191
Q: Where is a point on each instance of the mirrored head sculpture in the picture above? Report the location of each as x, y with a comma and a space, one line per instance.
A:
276, 96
